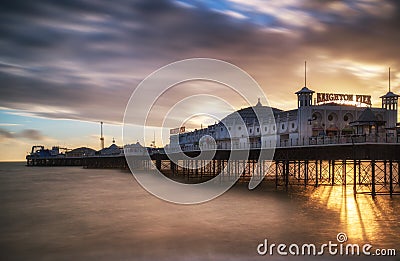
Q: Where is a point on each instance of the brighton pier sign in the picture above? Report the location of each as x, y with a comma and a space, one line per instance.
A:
343, 98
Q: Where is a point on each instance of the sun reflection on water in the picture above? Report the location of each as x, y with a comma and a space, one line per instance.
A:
359, 215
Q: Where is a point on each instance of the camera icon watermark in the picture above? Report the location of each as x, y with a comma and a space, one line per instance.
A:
333, 248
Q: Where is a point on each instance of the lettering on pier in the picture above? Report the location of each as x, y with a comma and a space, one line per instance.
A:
343, 98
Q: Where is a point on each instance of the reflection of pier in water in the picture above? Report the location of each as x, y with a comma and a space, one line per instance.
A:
370, 168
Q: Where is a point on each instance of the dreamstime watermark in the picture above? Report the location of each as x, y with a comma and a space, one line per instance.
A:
338, 247
151, 106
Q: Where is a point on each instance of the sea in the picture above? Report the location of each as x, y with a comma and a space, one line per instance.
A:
71, 213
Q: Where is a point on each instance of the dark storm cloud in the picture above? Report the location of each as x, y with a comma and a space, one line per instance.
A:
136, 29
57, 53
83, 58
29, 88
70, 99
374, 35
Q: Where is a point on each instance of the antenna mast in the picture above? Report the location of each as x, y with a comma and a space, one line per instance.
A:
389, 79
305, 73
101, 135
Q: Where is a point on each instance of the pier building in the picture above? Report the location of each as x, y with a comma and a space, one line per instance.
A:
328, 118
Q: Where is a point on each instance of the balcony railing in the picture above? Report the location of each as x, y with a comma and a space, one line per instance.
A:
345, 139
306, 141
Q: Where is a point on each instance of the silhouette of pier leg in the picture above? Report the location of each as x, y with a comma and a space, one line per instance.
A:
276, 173
305, 173
329, 171
316, 173
158, 165
355, 177
286, 174
373, 192
384, 173
344, 172
391, 178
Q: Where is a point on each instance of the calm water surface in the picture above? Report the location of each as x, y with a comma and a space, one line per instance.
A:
78, 214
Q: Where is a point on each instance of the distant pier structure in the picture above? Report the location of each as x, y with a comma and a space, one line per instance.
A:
101, 136
333, 139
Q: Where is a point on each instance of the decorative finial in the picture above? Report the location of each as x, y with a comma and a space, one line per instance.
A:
259, 102
113, 141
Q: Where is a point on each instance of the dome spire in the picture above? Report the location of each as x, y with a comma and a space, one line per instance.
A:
259, 102
305, 73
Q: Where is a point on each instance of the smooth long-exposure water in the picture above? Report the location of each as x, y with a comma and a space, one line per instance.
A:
69, 213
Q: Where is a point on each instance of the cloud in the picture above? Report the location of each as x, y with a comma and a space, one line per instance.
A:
25, 134
4, 134
82, 59
233, 14
9, 124
31, 134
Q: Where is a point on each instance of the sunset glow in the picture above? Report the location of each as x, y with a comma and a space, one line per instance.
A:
67, 66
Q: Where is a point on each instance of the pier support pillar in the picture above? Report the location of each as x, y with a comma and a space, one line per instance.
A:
391, 177
384, 172
355, 177
333, 172
329, 170
276, 173
316, 173
158, 164
287, 174
373, 192
305, 173
344, 173
172, 167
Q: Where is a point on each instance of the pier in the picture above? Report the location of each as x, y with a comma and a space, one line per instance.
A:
370, 168
323, 142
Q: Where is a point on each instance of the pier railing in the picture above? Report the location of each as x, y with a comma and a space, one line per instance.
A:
343, 139
295, 142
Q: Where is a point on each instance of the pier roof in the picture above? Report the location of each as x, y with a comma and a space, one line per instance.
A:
367, 117
390, 95
304, 90
249, 114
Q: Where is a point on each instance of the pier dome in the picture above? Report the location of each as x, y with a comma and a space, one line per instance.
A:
249, 114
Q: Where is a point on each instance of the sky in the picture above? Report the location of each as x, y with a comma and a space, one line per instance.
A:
66, 65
